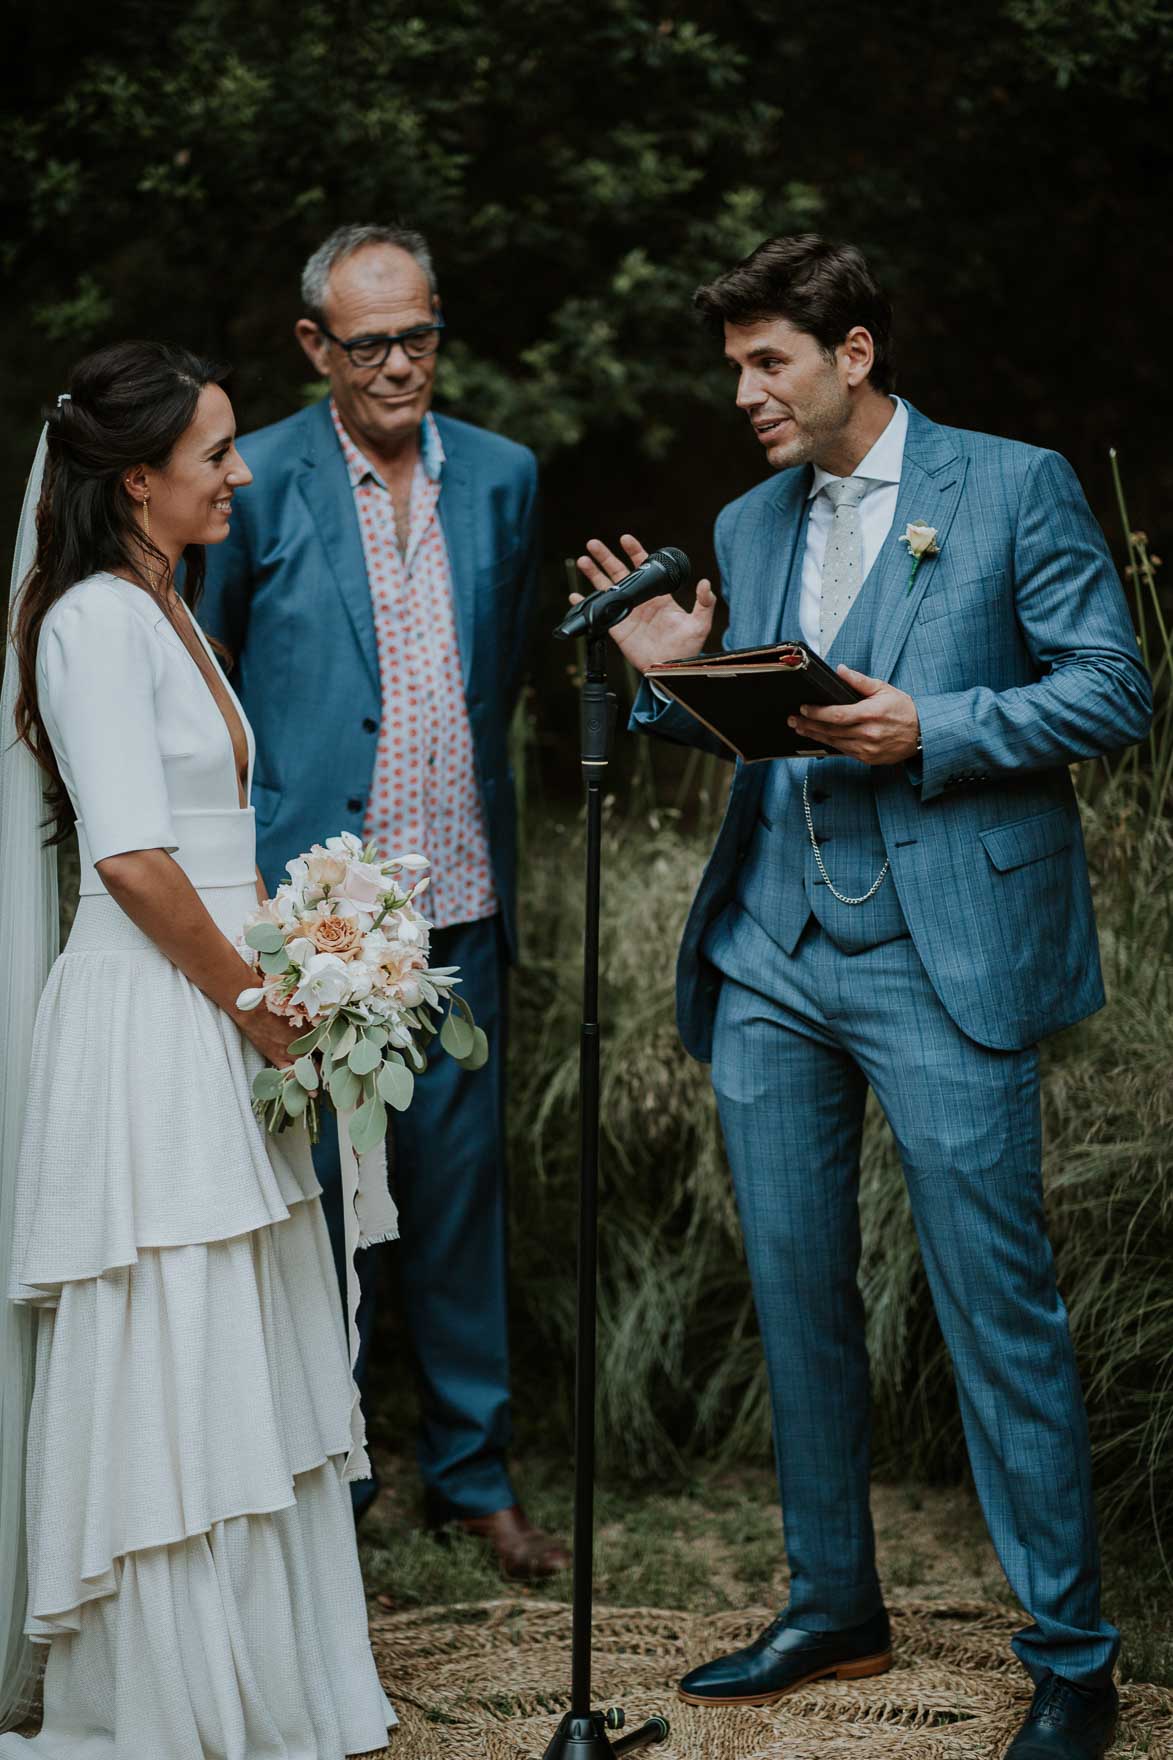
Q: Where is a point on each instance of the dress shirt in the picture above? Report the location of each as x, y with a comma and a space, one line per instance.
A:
880, 468
424, 796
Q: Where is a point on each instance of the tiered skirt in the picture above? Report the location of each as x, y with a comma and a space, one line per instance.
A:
192, 1562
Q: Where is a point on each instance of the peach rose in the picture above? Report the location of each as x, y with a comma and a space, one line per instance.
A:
339, 935
286, 1008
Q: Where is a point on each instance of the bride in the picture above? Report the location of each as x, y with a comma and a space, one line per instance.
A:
176, 1541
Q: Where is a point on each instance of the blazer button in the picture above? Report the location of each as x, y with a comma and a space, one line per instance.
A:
818, 795
370, 725
354, 804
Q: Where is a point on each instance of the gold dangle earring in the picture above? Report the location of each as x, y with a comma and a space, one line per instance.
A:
146, 506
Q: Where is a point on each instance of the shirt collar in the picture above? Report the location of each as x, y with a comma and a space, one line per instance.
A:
359, 468
885, 461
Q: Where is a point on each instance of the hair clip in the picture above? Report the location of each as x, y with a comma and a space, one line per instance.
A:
63, 397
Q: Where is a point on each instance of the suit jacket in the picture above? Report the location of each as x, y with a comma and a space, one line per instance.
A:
1016, 644
287, 593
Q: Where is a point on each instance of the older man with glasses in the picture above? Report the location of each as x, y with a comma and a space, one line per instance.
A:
375, 592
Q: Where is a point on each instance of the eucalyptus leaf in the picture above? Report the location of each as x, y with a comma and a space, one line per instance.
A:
265, 937
365, 1058
311, 1040
377, 1035
368, 1127
417, 1057
478, 1057
345, 1088
267, 1083
457, 1037
306, 1071
294, 1098
396, 1085
461, 1003
275, 962
345, 1043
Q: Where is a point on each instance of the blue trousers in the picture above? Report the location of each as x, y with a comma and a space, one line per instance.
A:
799, 1039
447, 1173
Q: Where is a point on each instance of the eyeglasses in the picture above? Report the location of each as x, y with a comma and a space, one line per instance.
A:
372, 351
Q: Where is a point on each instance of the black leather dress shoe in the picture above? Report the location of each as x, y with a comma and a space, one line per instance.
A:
784, 1658
1066, 1722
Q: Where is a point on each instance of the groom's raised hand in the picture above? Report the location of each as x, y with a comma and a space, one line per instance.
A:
884, 728
658, 629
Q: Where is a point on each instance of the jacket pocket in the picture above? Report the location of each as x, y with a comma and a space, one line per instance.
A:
1028, 840
954, 596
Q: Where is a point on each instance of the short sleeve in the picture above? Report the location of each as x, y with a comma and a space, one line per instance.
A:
96, 688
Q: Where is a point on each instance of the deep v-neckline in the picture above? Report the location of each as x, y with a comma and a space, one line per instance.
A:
227, 709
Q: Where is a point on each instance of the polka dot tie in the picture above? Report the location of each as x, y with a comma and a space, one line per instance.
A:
843, 561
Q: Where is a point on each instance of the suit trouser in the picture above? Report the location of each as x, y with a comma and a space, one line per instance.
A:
447, 1174
799, 1038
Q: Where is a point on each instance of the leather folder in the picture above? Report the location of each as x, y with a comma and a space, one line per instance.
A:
747, 695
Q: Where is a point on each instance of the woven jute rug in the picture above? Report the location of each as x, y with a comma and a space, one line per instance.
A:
489, 1682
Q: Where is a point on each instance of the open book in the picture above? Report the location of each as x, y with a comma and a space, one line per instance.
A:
747, 695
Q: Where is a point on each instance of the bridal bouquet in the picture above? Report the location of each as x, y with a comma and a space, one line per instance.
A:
343, 950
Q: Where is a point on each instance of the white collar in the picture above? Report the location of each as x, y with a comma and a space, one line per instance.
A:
885, 461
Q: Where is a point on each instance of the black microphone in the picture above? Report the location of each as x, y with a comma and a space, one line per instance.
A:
663, 571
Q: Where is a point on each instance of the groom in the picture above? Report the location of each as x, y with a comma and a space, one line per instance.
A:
376, 593
911, 914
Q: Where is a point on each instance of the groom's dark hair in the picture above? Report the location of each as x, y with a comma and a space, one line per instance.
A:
824, 289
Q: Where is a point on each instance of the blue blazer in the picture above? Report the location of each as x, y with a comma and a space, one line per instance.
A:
1016, 644
287, 593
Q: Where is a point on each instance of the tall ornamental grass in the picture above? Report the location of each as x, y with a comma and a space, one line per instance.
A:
680, 1363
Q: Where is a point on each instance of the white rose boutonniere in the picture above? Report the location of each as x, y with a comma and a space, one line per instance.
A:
922, 541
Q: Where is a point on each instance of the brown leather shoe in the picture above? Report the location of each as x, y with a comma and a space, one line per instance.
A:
522, 1551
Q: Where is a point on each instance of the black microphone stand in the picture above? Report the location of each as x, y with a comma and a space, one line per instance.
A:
582, 1733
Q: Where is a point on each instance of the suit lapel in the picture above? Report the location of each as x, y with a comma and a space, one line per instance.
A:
326, 486
931, 483
792, 508
455, 509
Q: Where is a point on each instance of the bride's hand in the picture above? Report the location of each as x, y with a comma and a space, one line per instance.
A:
658, 629
271, 1033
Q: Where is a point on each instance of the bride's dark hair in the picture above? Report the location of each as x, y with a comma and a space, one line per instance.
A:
127, 405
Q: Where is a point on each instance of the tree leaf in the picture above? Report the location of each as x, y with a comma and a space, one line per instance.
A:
396, 1085
265, 937
306, 1072
345, 1088
368, 1127
365, 1058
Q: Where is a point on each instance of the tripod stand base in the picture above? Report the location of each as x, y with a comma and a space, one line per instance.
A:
585, 1738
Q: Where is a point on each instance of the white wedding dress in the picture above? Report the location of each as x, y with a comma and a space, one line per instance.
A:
192, 1560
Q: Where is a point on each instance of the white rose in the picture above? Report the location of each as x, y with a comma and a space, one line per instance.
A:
325, 983
364, 885
324, 868
921, 539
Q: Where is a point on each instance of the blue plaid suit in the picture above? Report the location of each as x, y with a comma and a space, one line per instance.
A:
1016, 645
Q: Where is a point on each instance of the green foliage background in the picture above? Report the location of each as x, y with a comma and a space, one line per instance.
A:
165, 168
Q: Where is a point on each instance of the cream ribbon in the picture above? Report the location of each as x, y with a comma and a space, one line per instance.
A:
369, 1217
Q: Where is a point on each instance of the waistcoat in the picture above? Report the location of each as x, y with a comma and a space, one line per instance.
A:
780, 885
